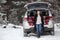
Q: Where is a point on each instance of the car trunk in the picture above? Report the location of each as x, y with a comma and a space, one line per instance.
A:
31, 14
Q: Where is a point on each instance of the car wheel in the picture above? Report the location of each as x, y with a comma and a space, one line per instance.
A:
52, 33
26, 35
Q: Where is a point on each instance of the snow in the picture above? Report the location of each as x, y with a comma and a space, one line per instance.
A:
17, 34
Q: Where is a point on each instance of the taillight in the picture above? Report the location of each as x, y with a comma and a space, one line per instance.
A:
50, 17
25, 19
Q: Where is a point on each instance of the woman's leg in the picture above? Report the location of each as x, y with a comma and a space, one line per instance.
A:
37, 30
40, 28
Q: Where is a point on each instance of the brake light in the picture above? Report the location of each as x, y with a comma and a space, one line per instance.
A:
25, 19
50, 17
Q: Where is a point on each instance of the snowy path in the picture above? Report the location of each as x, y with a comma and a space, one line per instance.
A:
17, 34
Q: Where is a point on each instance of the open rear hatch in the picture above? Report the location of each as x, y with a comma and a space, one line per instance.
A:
31, 14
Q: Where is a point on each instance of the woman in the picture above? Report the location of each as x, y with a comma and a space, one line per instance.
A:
38, 23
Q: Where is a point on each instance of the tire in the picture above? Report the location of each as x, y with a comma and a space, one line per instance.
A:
52, 32
25, 35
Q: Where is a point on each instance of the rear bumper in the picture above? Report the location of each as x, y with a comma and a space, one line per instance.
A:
29, 30
48, 29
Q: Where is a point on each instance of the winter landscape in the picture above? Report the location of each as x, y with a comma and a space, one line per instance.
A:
17, 34
13, 14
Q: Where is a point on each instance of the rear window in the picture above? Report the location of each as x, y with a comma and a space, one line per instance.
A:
33, 12
37, 5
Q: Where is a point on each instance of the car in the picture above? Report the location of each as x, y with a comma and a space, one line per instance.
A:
28, 18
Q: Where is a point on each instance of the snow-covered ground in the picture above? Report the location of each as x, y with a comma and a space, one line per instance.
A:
17, 34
